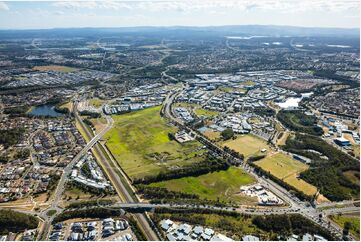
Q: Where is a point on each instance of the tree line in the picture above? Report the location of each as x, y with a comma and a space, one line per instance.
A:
287, 224
10, 137
210, 164
326, 175
298, 121
11, 221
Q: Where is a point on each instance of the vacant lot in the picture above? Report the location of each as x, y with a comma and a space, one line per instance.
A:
212, 135
287, 169
55, 68
139, 142
223, 185
247, 145
96, 102
205, 112
99, 124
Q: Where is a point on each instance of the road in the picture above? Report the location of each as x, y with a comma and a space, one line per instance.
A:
115, 178
56, 198
295, 205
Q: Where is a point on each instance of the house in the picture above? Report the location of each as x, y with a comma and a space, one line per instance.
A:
185, 229
170, 237
319, 238
342, 142
198, 230
166, 224
220, 237
250, 238
307, 237
74, 236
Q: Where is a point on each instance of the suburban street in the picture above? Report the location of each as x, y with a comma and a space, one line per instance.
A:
295, 205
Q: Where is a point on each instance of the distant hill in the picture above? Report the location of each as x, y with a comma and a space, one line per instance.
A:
241, 30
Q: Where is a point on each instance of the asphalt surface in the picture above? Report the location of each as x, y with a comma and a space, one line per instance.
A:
295, 205
118, 184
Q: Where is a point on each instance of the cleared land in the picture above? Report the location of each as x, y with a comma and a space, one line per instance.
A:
212, 135
139, 142
197, 109
55, 68
353, 176
222, 185
247, 145
354, 219
99, 124
356, 147
205, 112
96, 102
287, 169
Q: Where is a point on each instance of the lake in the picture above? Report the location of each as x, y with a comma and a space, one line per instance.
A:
292, 102
45, 110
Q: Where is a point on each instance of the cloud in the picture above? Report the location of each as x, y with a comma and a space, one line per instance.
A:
75, 5
4, 6
197, 5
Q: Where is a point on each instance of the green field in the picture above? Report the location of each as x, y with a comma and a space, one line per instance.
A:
139, 142
197, 109
96, 102
223, 185
205, 112
247, 145
354, 220
287, 169
55, 68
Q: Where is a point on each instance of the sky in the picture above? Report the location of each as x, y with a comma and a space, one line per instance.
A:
121, 13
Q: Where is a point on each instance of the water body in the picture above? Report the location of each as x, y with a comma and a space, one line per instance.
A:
245, 37
293, 102
339, 46
45, 110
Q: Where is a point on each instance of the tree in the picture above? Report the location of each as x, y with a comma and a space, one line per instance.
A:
346, 228
227, 133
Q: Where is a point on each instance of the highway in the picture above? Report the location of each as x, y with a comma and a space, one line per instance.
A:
124, 189
115, 178
295, 205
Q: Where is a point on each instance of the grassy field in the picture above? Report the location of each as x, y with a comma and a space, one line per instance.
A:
212, 135
232, 89
197, 109
205, 112
354, 219
99, 124
96, 102
287, 169
353, 176
223, 185
139, 142
55, 68
248, 83
247, 145
68, 105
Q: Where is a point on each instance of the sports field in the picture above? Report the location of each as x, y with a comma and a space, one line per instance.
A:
287, 169
224, 185
247, 145
55, 68
139, 142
